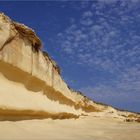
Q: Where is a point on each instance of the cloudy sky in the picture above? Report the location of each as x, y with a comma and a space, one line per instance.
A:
96, 44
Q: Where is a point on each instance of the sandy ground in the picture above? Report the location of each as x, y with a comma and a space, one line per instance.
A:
84, 128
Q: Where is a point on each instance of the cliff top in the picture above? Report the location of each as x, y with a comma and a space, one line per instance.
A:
24, 31
30, 35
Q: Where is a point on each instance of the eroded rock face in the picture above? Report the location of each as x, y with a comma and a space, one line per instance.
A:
30, 80
6, 30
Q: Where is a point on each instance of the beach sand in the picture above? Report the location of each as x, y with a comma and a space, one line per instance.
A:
84, 128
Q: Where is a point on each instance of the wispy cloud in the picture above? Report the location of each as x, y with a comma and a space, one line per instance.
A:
107, 36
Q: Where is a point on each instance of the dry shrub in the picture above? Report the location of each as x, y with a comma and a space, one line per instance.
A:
132, 115
138, 120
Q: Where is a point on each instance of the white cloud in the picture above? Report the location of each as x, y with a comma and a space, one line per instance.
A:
86, 22
108, 41
87, 14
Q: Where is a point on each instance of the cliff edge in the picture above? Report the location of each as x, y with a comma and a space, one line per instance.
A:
31, 84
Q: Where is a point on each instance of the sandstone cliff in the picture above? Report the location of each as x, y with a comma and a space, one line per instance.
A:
31, 84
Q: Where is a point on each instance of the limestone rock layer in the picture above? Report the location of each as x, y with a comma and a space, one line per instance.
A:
30, 81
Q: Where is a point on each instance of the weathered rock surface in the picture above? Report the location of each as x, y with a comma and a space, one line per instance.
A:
31, 84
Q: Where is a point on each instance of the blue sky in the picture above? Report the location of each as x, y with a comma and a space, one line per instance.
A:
96, 44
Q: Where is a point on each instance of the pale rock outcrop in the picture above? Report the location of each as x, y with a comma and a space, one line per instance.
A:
31, 84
